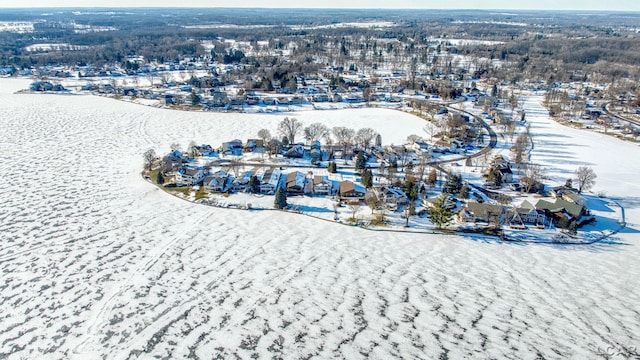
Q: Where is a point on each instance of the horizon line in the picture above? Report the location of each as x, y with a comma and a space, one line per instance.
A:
313, 8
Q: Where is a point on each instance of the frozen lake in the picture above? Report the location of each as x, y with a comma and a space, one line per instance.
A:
97, 263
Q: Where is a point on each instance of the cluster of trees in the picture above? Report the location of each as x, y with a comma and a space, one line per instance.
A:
564, 49
290, 128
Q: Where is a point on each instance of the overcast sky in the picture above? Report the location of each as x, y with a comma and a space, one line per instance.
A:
626, 5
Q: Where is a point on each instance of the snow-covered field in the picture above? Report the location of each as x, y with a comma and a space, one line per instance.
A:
98, 263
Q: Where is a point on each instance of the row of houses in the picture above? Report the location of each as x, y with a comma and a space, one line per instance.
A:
560, 212
268, 179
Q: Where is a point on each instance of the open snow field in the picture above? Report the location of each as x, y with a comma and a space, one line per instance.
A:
97, 263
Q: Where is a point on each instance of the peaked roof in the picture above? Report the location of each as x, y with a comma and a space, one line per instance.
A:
559, 205
483, 209
348, 186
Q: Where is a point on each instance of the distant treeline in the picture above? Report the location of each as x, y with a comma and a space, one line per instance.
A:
534, 45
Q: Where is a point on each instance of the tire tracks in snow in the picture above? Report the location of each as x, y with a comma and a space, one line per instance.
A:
98, 319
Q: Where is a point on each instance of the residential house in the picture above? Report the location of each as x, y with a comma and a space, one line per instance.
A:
41, 86
421, 147
315, 152
233, 147
203, 150
296, 151
481, 212
507, 174
216, 182
526, 214
322, 97
130, 92
321, 185
295, 183
241, 182
574, 197
254, 145
568, 194
219, 98
170, 99
392, 197
562, 211
350, 192
270, 181
190, 175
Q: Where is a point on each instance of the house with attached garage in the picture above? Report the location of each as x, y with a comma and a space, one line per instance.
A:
203, 150
270, 181
392, 197
563, 213
241, 182
217, 182
529, 215
350, 192
295, 183
321, 185
474, 212
190, 175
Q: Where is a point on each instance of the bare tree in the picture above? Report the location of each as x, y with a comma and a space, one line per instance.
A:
533, 174
165, 78
586, 178
192, 148
365, 136
265, 135
431, 129
315, 132
151, 76
176, 146
354, 207
166, 165
413, 138
372, 201
344, 135
289, 127
149, 158
235, 167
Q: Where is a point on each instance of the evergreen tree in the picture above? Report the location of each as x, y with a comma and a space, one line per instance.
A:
194, 98
464, 192
360, 161
438, 213
280, 201
412, 191
160, 178
367, 178
453, 184
254, 184
378, 140
332, 167
495, 176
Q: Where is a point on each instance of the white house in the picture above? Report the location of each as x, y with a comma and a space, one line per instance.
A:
190, 175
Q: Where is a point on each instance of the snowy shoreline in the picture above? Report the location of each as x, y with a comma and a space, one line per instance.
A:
503, 235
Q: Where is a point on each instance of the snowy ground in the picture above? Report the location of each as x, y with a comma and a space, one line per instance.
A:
98, 263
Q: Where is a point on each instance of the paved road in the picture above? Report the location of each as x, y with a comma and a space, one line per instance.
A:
605, 108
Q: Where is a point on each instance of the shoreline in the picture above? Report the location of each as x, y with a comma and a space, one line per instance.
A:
500, 236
